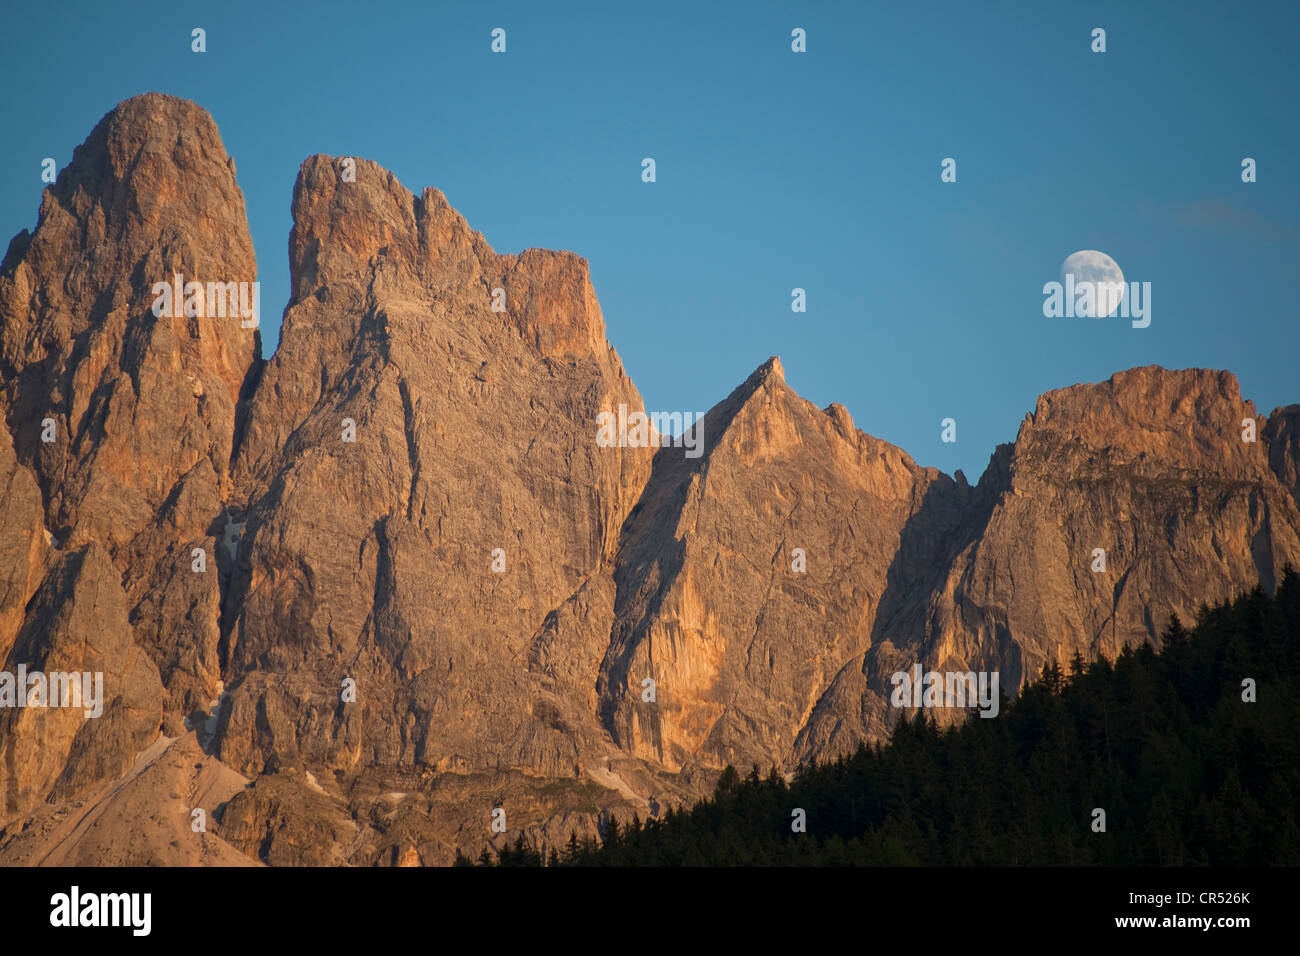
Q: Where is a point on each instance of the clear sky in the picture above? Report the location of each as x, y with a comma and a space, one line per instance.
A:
775, 170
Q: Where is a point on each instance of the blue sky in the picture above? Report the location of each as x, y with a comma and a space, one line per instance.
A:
775, 170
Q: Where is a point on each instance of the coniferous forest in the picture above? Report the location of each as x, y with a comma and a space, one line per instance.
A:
1166, 741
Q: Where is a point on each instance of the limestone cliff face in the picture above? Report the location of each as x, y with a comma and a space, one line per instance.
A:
138, 402
754, 661
77, 624
1151, 468
119, 423
425, 500
427, 590
750, 575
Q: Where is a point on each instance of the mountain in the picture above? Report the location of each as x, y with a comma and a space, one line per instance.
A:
1186, 771
396, 578
120, 428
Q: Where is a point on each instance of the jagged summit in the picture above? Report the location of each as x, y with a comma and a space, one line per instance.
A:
352, 217
124, 419
1150, 418
772, 368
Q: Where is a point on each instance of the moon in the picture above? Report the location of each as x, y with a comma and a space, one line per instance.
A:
1089, 265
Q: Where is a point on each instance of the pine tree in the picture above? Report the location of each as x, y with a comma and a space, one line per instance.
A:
728, 781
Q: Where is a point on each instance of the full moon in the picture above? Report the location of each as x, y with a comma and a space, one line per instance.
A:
1089, 265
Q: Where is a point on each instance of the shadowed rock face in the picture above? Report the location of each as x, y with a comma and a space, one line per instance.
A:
430, 591
24, 548
1282, 434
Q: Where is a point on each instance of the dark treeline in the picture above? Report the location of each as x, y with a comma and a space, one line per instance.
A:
1187, 772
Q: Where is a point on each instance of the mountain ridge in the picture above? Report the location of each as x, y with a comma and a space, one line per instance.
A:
408, 495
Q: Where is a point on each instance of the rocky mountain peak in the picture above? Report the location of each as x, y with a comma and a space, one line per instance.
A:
149, 197
395, 577
122, 403
1149, 419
